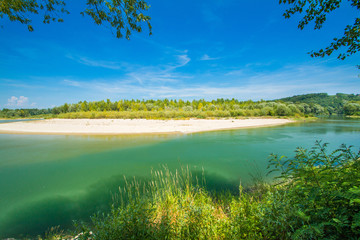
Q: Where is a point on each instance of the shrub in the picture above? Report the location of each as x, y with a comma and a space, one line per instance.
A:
325, 190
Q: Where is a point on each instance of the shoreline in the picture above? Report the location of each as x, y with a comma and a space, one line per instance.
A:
133, 126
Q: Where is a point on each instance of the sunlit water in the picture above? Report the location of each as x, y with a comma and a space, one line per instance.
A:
50, 180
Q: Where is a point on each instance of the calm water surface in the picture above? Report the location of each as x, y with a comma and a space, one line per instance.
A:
50, 180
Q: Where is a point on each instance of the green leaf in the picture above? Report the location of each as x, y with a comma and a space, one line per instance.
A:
336, 220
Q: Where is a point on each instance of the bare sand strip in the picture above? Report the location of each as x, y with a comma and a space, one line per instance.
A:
128, 126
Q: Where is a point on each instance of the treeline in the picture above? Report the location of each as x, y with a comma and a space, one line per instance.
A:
347, 104
184, 109
296, 106
24, 113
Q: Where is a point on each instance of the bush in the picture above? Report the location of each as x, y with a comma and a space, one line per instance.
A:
324, 190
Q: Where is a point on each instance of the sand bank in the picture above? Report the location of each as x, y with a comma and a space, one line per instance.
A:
135, 126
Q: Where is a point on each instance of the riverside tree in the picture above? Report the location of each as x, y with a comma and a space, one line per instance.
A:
121, 16
317, 11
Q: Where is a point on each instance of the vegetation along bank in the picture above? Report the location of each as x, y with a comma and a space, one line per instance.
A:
296, 106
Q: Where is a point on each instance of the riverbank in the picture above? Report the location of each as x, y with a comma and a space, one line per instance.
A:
133, 126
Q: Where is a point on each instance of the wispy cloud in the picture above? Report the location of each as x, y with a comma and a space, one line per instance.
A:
72, 83
144, 75
287, 81
147, 75
209, 91
183, 60
206, 57
95, 63
168, 80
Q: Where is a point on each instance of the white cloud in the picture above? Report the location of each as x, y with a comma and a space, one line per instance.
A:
12, 101
19, 102
22, 101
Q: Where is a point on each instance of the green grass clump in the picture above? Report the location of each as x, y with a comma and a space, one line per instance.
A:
168, 207
316, 196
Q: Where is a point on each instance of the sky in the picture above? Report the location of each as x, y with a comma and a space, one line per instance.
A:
204, 49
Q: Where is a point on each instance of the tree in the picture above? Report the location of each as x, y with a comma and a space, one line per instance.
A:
317, 11
121, 16
351, 108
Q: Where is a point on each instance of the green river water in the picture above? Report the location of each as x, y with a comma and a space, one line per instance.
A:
50, 180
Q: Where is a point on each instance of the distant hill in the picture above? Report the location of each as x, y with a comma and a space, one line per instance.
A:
334, 104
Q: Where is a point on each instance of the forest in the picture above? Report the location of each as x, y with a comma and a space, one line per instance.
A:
297, 106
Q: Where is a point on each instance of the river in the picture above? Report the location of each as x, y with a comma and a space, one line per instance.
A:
50, 180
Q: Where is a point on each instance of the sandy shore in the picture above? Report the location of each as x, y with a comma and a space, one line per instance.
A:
135, 126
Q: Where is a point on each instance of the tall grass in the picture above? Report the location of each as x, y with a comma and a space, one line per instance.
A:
170, 206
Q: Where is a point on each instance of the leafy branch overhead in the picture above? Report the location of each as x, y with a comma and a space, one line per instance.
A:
317, 11
122, 16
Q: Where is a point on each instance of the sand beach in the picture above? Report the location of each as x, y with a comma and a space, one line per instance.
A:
132, 126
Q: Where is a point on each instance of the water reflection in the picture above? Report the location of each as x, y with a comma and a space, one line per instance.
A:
29, 149
36, 217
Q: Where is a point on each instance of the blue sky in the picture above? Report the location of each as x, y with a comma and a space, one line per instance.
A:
199, 49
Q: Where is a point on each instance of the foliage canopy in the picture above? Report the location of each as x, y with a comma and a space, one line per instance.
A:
317, 11
121, 16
